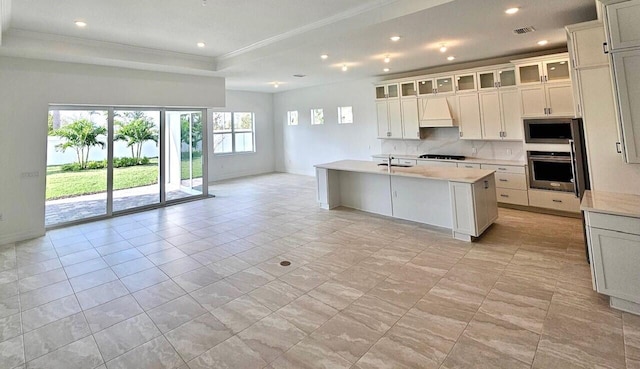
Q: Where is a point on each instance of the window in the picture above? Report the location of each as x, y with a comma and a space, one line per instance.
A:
317, 116
345, 114
233, 132
292, 118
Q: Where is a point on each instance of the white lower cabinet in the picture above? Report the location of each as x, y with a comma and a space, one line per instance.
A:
412, 199
511, 184
614, 251
555, 200
474, 206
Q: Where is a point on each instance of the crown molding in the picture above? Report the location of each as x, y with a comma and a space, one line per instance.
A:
334, 26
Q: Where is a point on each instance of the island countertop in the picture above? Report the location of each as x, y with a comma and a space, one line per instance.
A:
438, 173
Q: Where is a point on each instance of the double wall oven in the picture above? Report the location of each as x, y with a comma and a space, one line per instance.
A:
564, 166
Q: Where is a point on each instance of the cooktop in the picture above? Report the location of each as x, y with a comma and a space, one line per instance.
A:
442, 156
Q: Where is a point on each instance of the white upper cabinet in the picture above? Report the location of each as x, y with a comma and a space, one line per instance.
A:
533, 102
444, 85
560, 101
543, 71
623, 24
512, 128
627, 78
408, 89
470, 121
426, 87
466, 83
500, 115
491, 116
492, 79
410, 120
438, 85
585, 45
389, 91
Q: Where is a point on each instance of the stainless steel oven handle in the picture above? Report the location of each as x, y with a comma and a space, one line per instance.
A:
574, 173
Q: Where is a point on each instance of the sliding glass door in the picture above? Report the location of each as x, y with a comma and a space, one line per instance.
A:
106, 161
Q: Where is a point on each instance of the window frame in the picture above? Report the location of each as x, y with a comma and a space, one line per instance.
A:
233, 132
313, 116
340, 121
289, 121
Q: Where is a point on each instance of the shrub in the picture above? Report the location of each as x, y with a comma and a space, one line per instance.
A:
97, 164
73, 167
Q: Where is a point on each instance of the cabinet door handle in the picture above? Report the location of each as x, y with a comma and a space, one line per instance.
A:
503, 195
502, 168
541, 79
460, 133
549, 110
605, 49
546, 78
504, 180
554, 200
418, 134
618, 148
486, 185
468, 166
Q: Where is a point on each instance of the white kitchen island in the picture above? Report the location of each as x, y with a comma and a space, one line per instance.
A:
463, 200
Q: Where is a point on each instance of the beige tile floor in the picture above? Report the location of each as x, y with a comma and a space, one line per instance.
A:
199, 285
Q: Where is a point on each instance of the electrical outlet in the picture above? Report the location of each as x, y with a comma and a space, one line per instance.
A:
394, 147
509, 152
474, 150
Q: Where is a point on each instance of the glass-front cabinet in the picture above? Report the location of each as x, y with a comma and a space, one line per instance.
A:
439, 85
389, 91
487, 80
444, 85
507, 78
426, 87
542, 72
492, 79
408, 89
466, 82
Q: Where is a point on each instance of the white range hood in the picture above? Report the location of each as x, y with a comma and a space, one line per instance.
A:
436, 112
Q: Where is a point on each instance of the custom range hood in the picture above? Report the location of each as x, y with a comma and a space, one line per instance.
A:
436, 112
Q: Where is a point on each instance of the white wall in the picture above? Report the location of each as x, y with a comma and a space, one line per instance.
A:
262, 161
298, 148
27, 87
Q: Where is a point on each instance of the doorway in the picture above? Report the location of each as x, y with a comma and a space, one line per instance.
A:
103, 162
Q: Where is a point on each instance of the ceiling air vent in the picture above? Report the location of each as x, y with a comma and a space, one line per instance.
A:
299, 75
523, 30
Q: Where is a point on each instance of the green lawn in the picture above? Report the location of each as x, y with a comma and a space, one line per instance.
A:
197, 168
67, 184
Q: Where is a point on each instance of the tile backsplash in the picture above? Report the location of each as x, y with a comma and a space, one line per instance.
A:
447, 141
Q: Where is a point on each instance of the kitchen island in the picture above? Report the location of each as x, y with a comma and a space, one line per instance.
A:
463, 200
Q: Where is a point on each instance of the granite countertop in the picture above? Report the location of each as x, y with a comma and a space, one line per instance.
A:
466, 160
427, 172
611, 203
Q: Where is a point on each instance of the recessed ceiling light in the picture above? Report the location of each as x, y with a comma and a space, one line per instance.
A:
451, 58
201, 44
344, 68
543, 42
387, 59
512, 11
276, 85
443, 49
324, 56
395, 38
81, 24
562, 63
386, 70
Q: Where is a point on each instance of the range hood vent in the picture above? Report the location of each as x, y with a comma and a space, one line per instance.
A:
435, 112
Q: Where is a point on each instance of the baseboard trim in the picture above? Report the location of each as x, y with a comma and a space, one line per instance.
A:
534, 209
17, 237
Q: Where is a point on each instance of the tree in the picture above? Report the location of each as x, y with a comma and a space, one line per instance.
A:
195, 128
136, 130
80, 135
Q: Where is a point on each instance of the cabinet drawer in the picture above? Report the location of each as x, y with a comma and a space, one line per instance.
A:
407, 161
613, 222
432, 163
509, 196
563, 201
469, 166
511, 180
504, 168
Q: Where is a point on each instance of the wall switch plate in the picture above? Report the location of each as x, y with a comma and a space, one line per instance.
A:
474, 150
509, 152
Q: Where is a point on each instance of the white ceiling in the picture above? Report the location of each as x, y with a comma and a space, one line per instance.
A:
255, 42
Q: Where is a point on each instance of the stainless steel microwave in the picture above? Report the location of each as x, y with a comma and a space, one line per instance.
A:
548, 131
